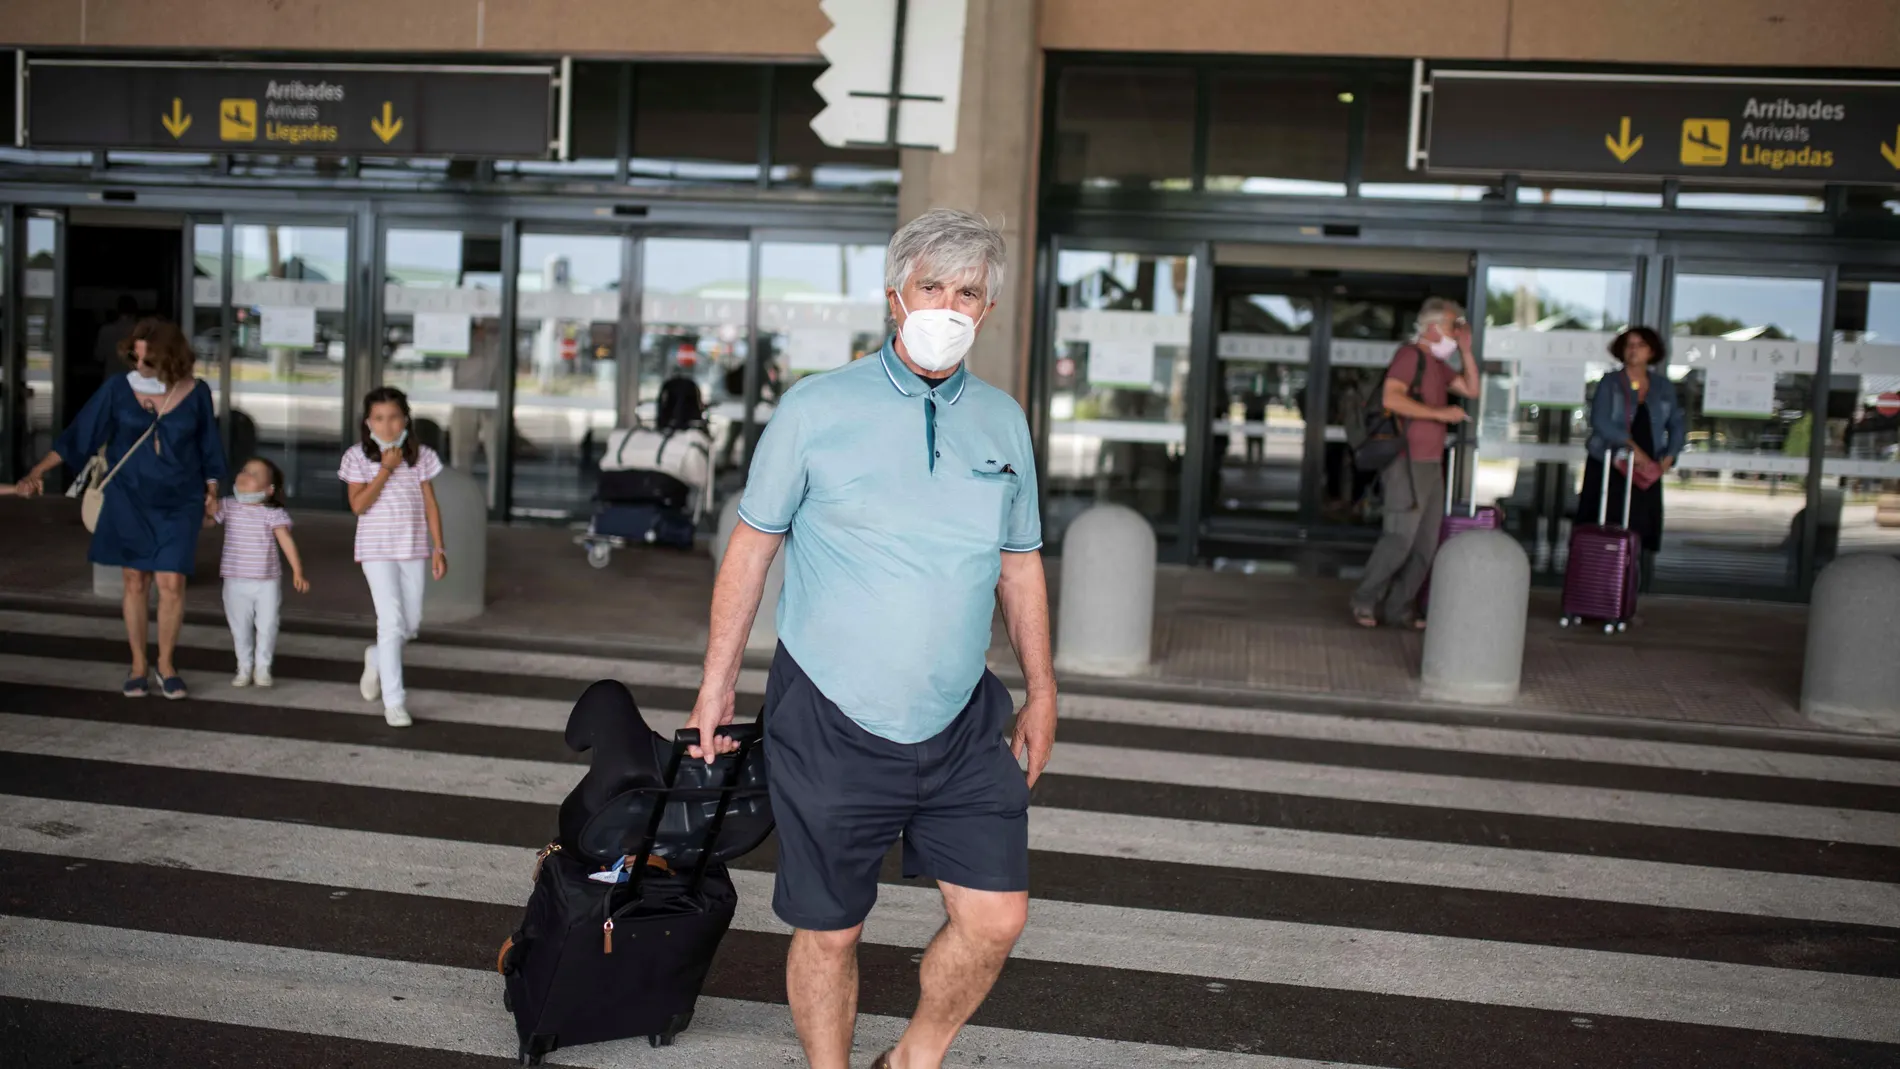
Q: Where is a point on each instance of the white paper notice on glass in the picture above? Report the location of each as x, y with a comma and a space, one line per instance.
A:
442, 333
1128, 363
817, 348
1743, 393
285, 327
1551, 382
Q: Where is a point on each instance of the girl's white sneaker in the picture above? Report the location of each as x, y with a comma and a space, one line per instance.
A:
243, 679
263, 678
372, 684
397, 717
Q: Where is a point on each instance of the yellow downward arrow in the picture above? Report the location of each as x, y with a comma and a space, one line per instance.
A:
1621, 146
1892, 152
177, 122
386, 127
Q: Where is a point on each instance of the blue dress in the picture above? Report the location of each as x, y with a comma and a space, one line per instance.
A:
154, 506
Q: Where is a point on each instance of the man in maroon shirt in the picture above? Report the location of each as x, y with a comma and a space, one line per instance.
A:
1414, 484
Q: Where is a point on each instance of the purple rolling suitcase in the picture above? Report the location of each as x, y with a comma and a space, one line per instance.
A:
1604, 571
1473, 518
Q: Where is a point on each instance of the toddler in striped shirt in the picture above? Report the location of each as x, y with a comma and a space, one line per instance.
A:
255, 527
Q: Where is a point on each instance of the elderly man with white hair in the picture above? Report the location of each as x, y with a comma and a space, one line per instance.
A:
903, 489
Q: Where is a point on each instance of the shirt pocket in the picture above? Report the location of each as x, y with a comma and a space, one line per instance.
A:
980, 504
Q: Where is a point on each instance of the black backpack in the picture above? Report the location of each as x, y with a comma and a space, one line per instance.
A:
1385, 439
680, 405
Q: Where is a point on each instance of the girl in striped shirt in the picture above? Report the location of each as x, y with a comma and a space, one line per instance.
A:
398, 537
255, 527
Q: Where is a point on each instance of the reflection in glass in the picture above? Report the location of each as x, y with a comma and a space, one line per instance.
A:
1259, 418
1589, 196
565, 370
1546, 341
693, 324
820, 307
1278, 134
288, 308
799, 158
1118, 389
36, 307
441, 343
1125, 128
1743, 357
205, 325
1749, 202
1862, 468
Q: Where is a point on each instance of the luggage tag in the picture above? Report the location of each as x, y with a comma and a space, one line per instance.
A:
620, 873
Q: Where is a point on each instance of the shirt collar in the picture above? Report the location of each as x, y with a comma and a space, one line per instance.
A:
907, 382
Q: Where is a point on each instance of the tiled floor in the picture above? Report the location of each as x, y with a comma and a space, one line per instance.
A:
1695, 660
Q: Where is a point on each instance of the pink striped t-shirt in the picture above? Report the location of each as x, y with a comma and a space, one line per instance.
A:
250, 539
395, 527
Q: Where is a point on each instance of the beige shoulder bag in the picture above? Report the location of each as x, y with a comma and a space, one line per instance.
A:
95, 496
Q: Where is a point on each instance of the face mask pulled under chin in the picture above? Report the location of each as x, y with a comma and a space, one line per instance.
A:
384, 444
936, 339
150, 385
251, 497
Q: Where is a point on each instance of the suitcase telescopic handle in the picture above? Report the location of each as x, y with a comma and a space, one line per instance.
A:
1629, 486
1461, 439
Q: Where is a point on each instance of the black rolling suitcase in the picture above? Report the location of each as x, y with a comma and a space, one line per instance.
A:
596, 960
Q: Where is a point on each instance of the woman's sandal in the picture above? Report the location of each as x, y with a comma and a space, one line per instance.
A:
1365, 618
136, 687
173, 688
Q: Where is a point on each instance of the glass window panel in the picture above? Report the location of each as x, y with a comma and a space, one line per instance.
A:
1588, 196
1259, 419
696, 122
1118, 388
9, 392
454, 398
289, 290
1388, 121
1546, 340
172, 160
1125, 128
693, 324
567, 317
42, 328
593, 130
1736, 495
1863, 442
1750, 201
1278, 134
206, 322
799, 158
266, 166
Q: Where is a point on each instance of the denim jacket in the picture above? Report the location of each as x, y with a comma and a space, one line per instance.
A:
1609, 419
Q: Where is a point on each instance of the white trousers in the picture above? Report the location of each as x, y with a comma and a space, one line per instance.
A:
251, 606
396, 588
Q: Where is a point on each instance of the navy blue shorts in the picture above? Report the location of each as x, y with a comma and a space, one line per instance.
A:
842, 796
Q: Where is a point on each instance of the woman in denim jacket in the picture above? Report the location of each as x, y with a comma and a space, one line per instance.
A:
1636, 409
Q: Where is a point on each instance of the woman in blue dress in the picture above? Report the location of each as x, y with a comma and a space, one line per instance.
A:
156, 503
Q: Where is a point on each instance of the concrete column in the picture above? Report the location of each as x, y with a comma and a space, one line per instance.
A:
993, 171
1851, 678
1474, 647
1105, 615
463, 593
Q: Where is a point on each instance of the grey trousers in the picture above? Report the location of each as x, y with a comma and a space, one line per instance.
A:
1414, 512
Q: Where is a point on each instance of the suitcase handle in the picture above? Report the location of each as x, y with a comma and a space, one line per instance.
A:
748, 736
1462, 437
1629, 486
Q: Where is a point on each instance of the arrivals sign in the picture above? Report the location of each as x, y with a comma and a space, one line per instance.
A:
292, 109
1788, 130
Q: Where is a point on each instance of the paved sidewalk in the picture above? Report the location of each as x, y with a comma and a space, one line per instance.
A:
1693, 661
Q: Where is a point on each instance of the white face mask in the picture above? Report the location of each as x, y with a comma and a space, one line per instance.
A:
936, 339
148, 385
251, 497
400, 438
1443, 348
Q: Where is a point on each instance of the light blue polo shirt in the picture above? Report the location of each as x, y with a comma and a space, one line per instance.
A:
894, 534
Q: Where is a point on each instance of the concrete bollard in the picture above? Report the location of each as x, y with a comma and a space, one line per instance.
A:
1851, 678
1105, 616
764, 634
108, 582
1474, 648
463, 593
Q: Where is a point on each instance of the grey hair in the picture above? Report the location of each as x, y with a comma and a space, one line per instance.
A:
1435, 308
949, 245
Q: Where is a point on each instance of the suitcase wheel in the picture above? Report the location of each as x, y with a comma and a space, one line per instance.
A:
674, 1026
1563, 621
1609, 629
599, 554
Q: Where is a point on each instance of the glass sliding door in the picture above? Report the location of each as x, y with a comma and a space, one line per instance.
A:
1862, 463
1262, 362
567, 352
693, 325
41, 285
288, 354
1743, 354
1118, 386
440, 341
1545, 344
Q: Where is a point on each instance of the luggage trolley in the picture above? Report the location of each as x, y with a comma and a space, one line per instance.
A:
655, 487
